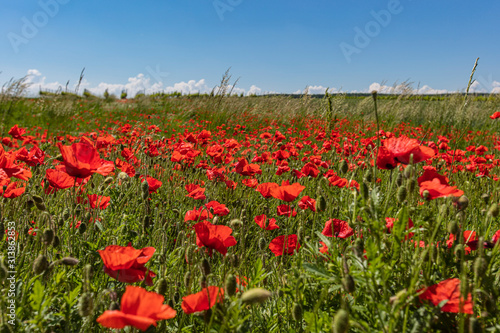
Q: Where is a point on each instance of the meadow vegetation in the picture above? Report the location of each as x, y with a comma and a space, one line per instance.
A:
250, 214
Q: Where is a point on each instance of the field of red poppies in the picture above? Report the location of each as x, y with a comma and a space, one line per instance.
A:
154, 215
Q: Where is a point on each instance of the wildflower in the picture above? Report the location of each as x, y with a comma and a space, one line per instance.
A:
203, 300
139, 308
448, 290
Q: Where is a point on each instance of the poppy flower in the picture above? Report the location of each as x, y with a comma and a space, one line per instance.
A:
389, 224
8, 167
261, 221
284, 245
218, 208
214, 237
337, 228
154, 184
307, 203
34, 156
310, 169
286, 210
286, 192
82, 160
98, 201
59, 179
436, 189
17, 132
197, 214
496, 237
10, 189
195, 191
265, 189
495, 115
399, 150
126, 264
470, 241
203, 300
447, 290
139, 308
250, 182
245, 169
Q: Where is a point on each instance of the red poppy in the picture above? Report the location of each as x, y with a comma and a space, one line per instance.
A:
496, 237
307, 203
265, 189
197, 214
82, 160
245, 169
284, 245
310, 169
139, 308
436, 189
214, 237
495, 115
98, 201
10, 189
250, 182
33, 157
126, 264
399, 150
195, 191
217, 208
337, 228
287, 192
286, 210
8, 167
389, 224
154, 184
202, 300
448, 290
17, 132
261, 221
470, 241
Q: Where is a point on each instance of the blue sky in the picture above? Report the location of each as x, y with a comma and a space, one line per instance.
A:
271, 46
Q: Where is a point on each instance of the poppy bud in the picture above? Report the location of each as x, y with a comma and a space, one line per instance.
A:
205, 267
402, 194
235, 223
187, 279
399, 179
462, 202
231, 285
123, 176
262, 244
235, 260
321, 204
343, 167
453, 227
188, 255
300, 234
60, 157
203, 281
297, 312
207, 315
145, 195
368, 176
56, 241
2, 229
145, 222
348, 283
48, 236
82, 228
108, 180
66, 213
480, 267
486, 198
87, 272
365, 192
425, 194
374, 95
243, 215
459, 249
41, 206
341, 322
177, 297
86, 305
69, 261
408, 171
215, 220
493, 211
40, 265
29, 204
38, 199
256, 295
411, 184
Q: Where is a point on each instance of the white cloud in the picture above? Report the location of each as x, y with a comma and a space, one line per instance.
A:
316, 90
